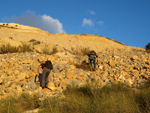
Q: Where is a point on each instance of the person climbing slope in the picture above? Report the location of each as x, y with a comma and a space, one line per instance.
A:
92, 58
45, 78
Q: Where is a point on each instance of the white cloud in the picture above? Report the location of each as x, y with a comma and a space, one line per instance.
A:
100, 23
88, 22
44, 22
92, 12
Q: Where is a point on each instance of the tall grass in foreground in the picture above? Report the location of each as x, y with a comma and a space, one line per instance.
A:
112, 98
19, 104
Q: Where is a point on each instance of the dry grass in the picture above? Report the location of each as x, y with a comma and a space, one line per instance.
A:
12, 49
19, 104
85, 66
81, 51
112, 98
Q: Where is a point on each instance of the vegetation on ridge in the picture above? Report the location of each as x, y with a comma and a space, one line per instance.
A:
147, 47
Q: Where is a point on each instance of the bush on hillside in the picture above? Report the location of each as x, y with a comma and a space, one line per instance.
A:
147, 47
55, 50
81, 51
32, 40
46, 51
8, 49
12, 49
25, 48
11, 38
84, 66
35, 42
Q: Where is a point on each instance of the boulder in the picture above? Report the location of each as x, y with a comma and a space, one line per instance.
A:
69, 75
135, 57
21, 76
51, 86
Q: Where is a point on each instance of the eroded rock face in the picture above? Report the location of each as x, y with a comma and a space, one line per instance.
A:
18, 71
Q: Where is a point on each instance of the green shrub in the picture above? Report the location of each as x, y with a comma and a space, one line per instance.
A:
11, 38
45, 51
32, 40
25, 48
147, 47
36, 42
54, 50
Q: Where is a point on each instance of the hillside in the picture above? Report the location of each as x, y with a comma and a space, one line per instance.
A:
67, 41
116, 63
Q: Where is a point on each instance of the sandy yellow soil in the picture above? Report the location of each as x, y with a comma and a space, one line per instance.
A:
26, 33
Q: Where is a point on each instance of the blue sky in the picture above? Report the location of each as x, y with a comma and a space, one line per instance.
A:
127, 21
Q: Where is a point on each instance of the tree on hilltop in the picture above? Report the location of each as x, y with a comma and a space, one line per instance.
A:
147, 47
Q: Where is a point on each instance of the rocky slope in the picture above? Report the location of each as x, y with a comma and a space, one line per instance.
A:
116, 62
18, 71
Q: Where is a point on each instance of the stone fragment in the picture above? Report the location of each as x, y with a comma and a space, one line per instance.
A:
9, 72
147, 66
51, 86
127, 69
135, 57
135, 73
129, 82
27, 61
21, 76
42, 59
105, 73
1, 80
145, 76
16, 72
112, 63
79, 78
32, 75
69, 75
72, 67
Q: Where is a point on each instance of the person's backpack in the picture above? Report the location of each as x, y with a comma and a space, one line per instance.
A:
93, 53
48, 64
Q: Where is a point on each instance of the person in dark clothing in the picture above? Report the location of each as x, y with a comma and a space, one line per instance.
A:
92, 58
45, 76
